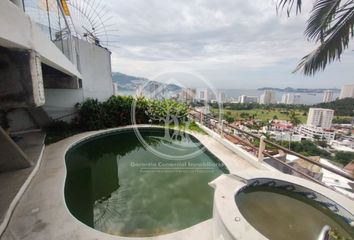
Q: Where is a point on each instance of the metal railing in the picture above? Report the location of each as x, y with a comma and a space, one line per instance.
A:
245, 139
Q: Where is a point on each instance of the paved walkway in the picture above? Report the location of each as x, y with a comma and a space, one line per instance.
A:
11, 182
42, 214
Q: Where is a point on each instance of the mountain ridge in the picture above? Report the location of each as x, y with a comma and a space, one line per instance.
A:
130, 83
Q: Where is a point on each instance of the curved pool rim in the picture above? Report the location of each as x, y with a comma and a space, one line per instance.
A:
88, 136
230, 224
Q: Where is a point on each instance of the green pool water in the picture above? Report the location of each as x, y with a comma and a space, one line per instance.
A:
284, 215
115, 185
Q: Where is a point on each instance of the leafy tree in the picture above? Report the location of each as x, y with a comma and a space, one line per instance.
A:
294, 119
229, 118
330, 24
344, 157
342, 107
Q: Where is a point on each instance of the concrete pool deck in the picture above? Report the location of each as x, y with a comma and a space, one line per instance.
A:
41, 214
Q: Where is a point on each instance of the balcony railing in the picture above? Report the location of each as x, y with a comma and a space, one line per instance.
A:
258, 144
49, 16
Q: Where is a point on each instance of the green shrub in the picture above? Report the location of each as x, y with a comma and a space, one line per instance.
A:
116, 111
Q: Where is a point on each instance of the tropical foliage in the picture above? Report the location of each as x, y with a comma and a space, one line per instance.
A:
342, 107
117, 111
331, 25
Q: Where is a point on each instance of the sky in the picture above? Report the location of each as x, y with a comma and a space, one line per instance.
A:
227, 43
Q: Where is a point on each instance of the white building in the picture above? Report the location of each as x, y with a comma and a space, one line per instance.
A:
347, 91
285, 98
247, 99
202, 94
288, 98
187, 95
286, 136
268, 97
327, 96
314, 132
295, 99
45, 71
320, 117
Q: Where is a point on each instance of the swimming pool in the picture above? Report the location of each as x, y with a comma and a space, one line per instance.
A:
116, 185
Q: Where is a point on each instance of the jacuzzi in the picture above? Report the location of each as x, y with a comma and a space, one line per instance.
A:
267, 205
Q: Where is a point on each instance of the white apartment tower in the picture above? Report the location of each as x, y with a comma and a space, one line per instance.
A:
327, 96
347, 91
268, 97
296, 99
285, 98
247, 99
320, 117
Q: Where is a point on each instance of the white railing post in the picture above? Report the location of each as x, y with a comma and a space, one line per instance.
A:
261, 148
222, 129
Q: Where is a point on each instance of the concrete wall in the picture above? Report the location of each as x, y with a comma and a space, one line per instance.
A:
95, 67
18, 31
21, 82
61, 102
11, 156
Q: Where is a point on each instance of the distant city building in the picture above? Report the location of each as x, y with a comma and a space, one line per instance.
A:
286, 136
221, 96
347, 91
115, 89
247, 99
296, 99
268, 97
314, 132
320, 117
327, 96
285, 98
202, 94
187, 95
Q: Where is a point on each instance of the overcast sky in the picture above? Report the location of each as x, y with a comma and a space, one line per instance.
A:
230, 43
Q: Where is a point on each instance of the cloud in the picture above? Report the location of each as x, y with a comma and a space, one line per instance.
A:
227, 41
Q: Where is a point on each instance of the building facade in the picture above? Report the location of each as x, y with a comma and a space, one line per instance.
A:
320, 117
247, 99
187, 95
316, 133
268, 97
327, 96
347, 91
285, 98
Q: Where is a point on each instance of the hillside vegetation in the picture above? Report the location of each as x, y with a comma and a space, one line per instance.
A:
342, 107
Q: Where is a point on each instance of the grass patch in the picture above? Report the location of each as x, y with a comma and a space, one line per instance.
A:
264, 115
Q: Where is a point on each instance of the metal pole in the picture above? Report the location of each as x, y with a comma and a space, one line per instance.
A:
50, 29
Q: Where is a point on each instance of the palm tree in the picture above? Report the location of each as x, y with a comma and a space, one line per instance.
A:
331, 24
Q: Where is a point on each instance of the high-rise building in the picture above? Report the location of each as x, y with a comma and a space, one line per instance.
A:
285, 98
221, 96
247, 99
327, 96
187, 95
296, 99
320, 117
268, 97
202, 94
347, 91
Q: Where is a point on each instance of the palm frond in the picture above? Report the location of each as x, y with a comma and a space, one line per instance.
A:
335, 41
289, 6
322, 14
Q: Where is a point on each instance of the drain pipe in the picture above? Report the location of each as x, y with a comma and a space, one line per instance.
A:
324, 234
